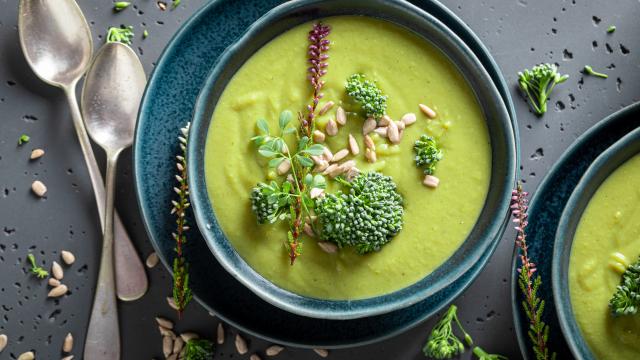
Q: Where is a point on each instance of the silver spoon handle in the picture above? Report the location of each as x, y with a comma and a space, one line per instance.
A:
103, 335
131, 278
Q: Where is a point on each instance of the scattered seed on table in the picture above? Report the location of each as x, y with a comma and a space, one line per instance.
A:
68, 257
178, 344
316, 192
308, 230
370, 155
254, 357
322, 352
36, 154
56, 271
58, 291
29, 355
284, 167
54, 282
152, 260
392, 133
220, 334
274, 350
67, 345
164, 323
241, 345
166, 332
167, 346
162, 5
3, 341
186, 336
38, 188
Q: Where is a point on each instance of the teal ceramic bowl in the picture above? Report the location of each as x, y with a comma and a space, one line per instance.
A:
602, 167
483, 236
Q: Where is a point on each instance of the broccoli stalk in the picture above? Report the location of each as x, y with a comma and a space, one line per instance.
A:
538, 83
367, 94
626, 299
367, 216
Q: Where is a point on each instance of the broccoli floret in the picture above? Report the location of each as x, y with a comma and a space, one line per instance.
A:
367, 94
269, 202
199, 349
626, 299
368, 216
428, 154
538, 83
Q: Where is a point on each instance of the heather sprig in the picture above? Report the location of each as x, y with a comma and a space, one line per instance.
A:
181, 291
317, 57
528, 281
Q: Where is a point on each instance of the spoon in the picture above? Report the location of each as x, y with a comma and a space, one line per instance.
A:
56, 42
110, 99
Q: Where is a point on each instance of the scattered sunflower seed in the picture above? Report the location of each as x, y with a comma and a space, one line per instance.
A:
318, 136
54, 282
408, 119
220, 334
427, 111
164, 323
162, 5
3, 341
331, 128
241, 345
254, 357
29, 355
340, 155
369, 125
186, 336
67, 345
353, 145
322, 352
58, 291
56, 271
68, 257
152, 260
328, 247
178, 344
36, 153
38, 188
167, 346
274, 350
326, 107
70, 357
341, 116
431, 181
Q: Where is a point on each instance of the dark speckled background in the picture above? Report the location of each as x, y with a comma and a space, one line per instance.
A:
518, 33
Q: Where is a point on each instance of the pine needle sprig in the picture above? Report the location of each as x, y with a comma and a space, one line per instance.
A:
528, 281
181, 291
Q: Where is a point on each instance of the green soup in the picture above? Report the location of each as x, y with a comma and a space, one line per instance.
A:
609, 228
410, 71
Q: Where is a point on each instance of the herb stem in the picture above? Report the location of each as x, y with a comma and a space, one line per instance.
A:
589, 70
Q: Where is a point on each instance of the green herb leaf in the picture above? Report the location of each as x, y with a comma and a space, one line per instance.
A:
304, 161
23, 139
285, 119
36, 270
275, 162
319, 182
308, 179
267, 151
263, 126
122, 34
315, 149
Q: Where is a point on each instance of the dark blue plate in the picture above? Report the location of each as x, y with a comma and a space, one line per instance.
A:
168, 105
545, 211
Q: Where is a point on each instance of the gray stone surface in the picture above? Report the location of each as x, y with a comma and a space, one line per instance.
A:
518, 33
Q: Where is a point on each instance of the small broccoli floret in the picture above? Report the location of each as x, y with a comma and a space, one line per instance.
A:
367, 94
269, 202
428, 154
368, 216
199, 349
538, 83
626, 299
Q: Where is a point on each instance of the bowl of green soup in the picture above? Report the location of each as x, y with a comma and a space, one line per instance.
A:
596, 266
348, 159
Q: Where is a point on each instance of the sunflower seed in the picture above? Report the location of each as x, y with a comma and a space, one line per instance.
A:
326, 107
331, 128
427, 111
328, 247
58, 291
401, 125
308, 230
172, 303
321, 166
392, 133
347, 165
370, 155
336, 171
329, 169
166, 332
431, 181
341, 116
352, 173
328, 155
322, 352
164, 323
186, 336
241, 345
68, 257
316, 192
36, 153
220, 334
340, 155
56, 271
273, 350
162, 5
29, 355
254, 357
318, 136
385, 120
70, 357
38, 188
54, 282
408, 118
353, 145
369, 125
152, 260
284, 167
178, 343
167, 346
382, 131
67, 345
3, 341
368, 143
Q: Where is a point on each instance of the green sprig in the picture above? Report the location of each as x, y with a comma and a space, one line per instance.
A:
626, 299
122, 34
589, 71
538, 83
442, 342
36, 270
23, 139
199, 349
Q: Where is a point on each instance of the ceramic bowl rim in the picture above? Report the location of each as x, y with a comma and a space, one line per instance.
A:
593, 178
344, 309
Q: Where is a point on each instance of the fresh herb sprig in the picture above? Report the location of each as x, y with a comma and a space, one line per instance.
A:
589, 71
122, 34
538, 83
626, 299
181, 291
199, 349
428, 153
291, 200
444, 344
367, 93
36, 270
528, 281
23, 139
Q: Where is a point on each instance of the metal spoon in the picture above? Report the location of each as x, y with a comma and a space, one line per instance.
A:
56, 42
110, 99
